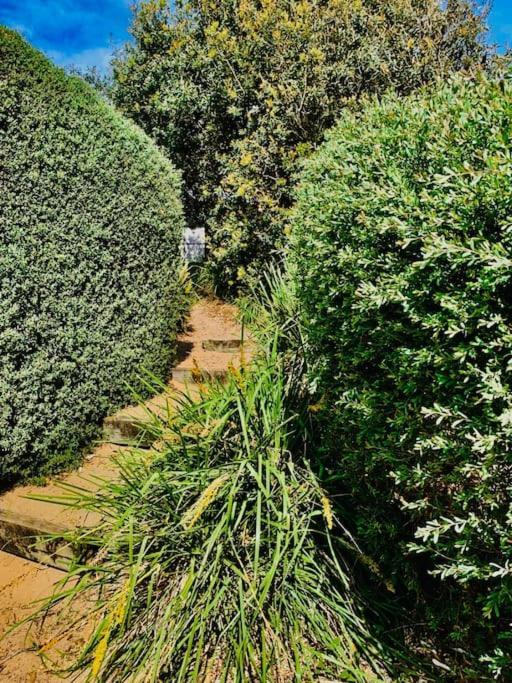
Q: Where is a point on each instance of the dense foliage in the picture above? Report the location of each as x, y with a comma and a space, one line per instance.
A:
403, 255
90, 226
238, 91
221, 559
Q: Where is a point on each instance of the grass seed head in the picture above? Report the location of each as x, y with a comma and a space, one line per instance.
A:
207, 497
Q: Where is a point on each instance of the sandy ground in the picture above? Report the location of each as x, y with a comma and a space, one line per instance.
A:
25, 651
29, 653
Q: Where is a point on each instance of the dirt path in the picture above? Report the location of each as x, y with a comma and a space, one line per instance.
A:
29, 654
23, 651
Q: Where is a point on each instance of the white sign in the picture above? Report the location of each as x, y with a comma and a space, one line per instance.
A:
193, 245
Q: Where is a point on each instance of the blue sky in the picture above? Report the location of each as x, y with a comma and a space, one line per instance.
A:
500, 22
85, 32
77, 33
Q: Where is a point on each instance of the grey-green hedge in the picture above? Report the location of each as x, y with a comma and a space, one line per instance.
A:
90, 226
402, 247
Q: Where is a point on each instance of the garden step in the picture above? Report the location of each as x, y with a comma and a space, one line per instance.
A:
222, 345
30, 538
126, 428
196, 375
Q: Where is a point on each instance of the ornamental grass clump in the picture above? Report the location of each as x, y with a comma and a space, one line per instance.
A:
219, 558
402, 254
90, 229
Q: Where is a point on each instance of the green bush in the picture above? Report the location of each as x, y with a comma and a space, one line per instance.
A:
402, 250
90, 226
237, 92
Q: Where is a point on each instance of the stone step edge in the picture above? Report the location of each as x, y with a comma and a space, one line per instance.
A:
221, 345
128, 430
192, 375
125, 430
30, 539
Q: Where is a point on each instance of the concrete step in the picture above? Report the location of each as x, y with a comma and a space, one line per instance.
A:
193, 375
126, 428
222, 345
28, 537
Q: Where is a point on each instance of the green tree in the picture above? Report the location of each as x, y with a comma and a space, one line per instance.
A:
236, 92
102, 82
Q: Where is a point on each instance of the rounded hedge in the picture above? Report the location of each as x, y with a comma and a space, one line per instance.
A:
90, 228
402, 250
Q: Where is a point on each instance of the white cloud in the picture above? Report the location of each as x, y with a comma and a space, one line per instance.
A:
99, 57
